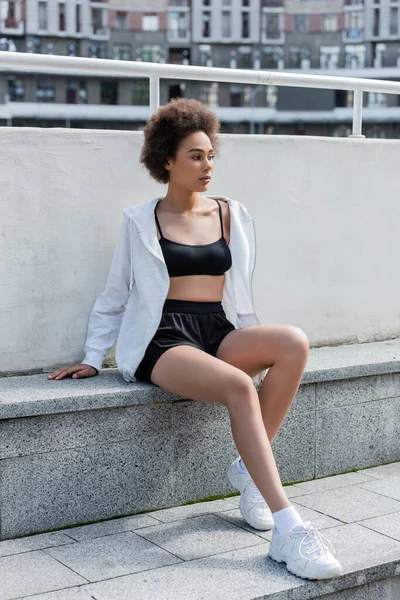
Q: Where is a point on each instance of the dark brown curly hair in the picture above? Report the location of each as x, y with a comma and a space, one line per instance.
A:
167, 127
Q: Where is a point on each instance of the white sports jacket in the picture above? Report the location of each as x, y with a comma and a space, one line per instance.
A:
129, 309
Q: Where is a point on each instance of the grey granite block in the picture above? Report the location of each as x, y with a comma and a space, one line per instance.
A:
57, 489
357, 436
348, 361
329, 483
199, 536
203, 450
316, 516
333, 394
352, 504
390, 486
383, 471
112, 556
48, 433
188, 511
235, 517
292, 491
388, 589
95, 530
294, 447
304, 400
33, 542
388, 525
33, 573
358, 593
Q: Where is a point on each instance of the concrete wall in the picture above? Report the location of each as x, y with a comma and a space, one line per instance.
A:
326, 212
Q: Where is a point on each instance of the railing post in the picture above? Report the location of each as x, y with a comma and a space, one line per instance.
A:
357, 114
154, 93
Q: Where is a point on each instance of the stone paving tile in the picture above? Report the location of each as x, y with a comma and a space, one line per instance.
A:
112, 555
383, 470
388, 525
75, 593
199, 536
329, 483
292, 491
323, 521
390, 486
352, 504
236, 574
33, 542
33, 573
248, 573
95, 530
187, 511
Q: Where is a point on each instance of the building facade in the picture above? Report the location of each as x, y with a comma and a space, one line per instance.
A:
338, 37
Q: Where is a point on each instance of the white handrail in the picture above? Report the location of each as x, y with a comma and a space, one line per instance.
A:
18, 62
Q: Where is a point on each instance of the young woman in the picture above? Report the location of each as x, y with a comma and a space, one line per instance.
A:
178, 300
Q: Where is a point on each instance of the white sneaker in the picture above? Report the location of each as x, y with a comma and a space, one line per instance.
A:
253, 507
305, 553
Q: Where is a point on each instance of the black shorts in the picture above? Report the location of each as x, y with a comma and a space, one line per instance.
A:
202, 325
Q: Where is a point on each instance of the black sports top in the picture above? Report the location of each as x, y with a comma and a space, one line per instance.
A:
205, 259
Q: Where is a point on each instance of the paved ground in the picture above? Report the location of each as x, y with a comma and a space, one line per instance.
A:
205, 551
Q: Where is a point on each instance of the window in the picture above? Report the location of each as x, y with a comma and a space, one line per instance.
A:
270, 26
354, 57
122, 51
45, 89
329, 57
78, 16
206, 24
245, 2
109, 92
300, 23
76, 92
244, 58
299, 58
236, 95
394, 20
376, 23
150, 23
121, 20
42, 15
245, 24
376, 99
330, 23
151, 53
226, 24
354, 21
11, 16
98, 50
208, 94
97, 21
177, 25
205, 55
16, 90
271, 58
140, 92
61, 16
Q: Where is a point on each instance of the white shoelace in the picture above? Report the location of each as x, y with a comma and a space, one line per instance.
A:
314, 541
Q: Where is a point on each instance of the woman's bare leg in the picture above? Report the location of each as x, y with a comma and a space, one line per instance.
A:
192, 373
284, 350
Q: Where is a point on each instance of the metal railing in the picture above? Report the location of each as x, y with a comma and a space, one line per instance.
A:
17, 62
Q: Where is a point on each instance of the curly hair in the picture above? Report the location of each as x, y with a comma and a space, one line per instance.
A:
168, 126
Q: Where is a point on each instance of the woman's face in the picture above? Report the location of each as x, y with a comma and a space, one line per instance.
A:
193, 164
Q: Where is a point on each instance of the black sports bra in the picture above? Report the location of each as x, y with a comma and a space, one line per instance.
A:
205, 259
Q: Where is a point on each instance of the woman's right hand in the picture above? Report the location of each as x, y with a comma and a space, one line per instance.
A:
77, 371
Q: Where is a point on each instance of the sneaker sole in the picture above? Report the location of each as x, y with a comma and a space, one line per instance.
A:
234, 483
328, 574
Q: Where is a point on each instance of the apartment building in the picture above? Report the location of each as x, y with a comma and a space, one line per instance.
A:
340, 37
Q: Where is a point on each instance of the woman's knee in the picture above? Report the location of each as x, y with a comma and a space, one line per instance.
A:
297, 342
239, 390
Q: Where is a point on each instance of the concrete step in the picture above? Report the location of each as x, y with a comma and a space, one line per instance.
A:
77, 451
205, 551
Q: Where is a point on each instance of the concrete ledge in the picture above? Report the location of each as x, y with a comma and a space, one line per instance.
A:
72, 451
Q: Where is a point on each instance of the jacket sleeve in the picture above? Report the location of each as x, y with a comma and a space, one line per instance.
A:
107, 312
